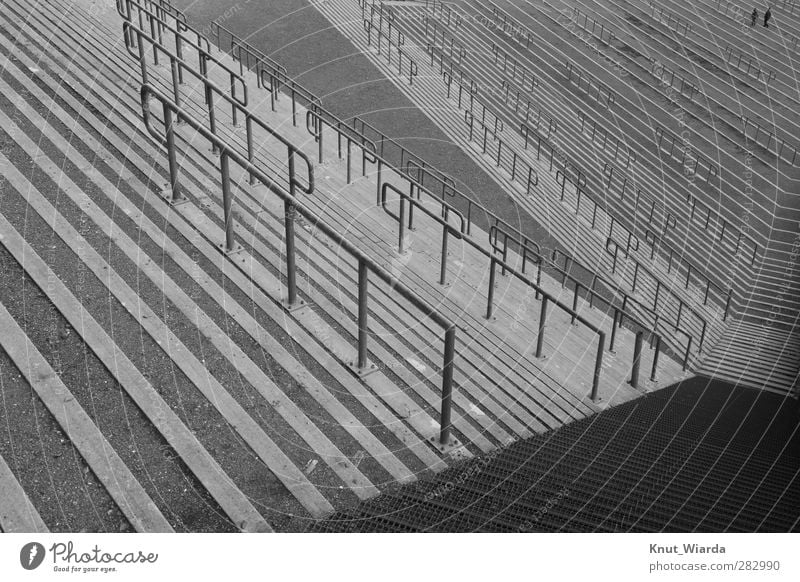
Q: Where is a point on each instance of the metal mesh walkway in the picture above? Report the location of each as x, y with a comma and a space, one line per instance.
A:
694, 457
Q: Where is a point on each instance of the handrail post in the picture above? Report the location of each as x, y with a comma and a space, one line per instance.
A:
402, 229
575, 302
637, 356
614, 325
363, 315
443, 274
248, 122
542, 323
447, 385
174, 177
655, 359
598, 365
688, 351
490, 294
291, 283
227, 200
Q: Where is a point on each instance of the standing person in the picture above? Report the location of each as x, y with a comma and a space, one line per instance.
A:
767, 16
753, 17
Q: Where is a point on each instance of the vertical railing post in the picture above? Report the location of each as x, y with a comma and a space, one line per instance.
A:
575, 302
291, 285
637, 356
402, 229
227, 201
542, 323
490, 294
447, 384
363, 315
655, 359
319, 131
348, 159
614, 325
176, 91
234, 108
248, 122
378, 177
443, 273
174, 178
598, 364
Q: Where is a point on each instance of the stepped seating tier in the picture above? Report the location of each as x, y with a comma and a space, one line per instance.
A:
344, 14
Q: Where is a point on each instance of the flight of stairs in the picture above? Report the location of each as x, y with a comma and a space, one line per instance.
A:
227, 411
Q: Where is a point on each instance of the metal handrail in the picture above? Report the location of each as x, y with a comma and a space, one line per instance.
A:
210, 90
531, 178
174, 113
545, 299
412, 65
562, 179
621, 312
204, 55
315, 123
659, 286
447, 228
522, 25
278, 77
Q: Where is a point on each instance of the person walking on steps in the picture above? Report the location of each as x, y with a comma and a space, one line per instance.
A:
767, 16
753, 17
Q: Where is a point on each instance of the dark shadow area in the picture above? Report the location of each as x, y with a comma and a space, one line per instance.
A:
698, 456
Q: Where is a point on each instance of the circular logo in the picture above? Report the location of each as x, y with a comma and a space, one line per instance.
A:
31, 555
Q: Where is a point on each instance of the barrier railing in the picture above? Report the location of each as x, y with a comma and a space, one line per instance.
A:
723, 297
274, 78
447, 229
557, 159
514, 69
502, 23
620, 312
736, 239
446, 14
478, 107
211, 93
632, 244
746, 65
640, 271
528, 249
668, 78
378, 34
269, 75
690, 160
601, 135
547, 299
774, 145
172, 113
592, 26
507, 91
252, 60
520, 171
314, 121
385, 15
156, 39
439, 37
590, 84
676, 23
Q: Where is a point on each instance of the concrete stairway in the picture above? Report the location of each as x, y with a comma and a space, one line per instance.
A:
583, 234
409, 18
253, 407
